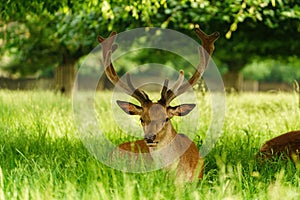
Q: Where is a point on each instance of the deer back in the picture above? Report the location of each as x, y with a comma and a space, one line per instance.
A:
287, 144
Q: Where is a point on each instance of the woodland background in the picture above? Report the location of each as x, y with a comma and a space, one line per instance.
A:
260, 39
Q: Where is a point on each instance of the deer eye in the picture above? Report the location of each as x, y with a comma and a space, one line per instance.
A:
142, 121
167, 119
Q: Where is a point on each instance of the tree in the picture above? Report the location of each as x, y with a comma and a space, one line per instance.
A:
57, 33
268, 70
249, 29
52, 36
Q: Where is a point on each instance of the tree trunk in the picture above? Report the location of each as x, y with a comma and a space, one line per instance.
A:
233, 80
65, 76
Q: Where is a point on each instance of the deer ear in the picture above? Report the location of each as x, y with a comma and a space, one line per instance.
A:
180, 110
130, 108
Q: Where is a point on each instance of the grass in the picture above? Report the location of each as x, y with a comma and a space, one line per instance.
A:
42, 157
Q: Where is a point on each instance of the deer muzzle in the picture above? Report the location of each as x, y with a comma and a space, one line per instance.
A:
150, 138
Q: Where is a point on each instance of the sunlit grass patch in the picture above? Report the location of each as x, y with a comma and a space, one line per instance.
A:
42, 156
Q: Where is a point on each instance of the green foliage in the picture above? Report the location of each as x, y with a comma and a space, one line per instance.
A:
273, 71
41, 157
43, 34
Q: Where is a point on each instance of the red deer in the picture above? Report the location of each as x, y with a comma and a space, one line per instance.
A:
287, 145
155, 116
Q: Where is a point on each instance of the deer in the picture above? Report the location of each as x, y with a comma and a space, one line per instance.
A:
286, 145
155, 116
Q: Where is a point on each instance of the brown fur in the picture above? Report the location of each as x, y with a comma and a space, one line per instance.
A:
287, 144
156, 117
189, 166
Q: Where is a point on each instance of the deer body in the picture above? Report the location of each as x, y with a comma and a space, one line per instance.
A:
159, 133
189, 166
287, 144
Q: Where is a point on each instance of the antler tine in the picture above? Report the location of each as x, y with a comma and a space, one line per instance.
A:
138, 94
205, 53
207, 40
107, 49
164, 92
169, 94
179, 81
165, 88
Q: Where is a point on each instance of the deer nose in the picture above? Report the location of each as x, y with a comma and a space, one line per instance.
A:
150, 138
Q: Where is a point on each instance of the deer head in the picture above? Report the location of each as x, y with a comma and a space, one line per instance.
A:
155, 116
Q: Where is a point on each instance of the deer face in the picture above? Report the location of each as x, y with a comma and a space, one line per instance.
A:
155, 118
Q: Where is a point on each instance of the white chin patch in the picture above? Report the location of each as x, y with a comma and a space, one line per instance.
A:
153, 144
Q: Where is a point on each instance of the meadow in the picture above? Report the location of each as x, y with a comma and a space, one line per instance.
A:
42, 156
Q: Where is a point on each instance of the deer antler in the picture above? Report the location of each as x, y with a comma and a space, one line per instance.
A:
108, 47
167, 95
205, 53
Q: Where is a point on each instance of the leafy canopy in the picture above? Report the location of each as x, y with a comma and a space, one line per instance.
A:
41, 34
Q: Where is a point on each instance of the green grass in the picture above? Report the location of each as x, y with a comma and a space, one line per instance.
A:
42, 157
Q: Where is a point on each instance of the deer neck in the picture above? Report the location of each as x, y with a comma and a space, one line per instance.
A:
168, 146
168, 134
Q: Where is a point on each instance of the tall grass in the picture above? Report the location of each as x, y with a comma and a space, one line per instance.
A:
42, 157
